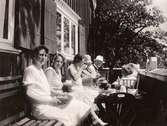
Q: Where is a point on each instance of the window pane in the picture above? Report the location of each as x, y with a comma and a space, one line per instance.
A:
58, 33
4, 10
9, 65
73, 39
66, 36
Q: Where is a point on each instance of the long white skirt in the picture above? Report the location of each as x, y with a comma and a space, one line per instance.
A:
85, 94
69, 115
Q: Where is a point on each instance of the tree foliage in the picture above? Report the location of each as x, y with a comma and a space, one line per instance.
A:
118, 26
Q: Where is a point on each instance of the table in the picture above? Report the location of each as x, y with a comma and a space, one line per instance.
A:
114, 106
154, 83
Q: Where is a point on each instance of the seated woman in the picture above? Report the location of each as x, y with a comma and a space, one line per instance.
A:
75, 70
53, 73
45, 105
79, 91
89, 72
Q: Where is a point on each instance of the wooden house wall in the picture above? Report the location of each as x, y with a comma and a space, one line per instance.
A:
29, 30
33, 27
50, 25
30, 26
82, 8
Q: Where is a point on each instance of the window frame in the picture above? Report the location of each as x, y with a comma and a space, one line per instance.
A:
66, 12
7, 45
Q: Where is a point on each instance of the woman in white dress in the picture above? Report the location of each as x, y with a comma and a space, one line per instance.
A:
90, 71
44, 105
80, 92
53, 73
75, 70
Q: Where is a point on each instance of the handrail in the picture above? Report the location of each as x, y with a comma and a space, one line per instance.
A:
155, 74
10, 78
115, 68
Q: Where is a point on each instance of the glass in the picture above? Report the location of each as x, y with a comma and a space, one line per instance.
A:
58, 61
73, 39
4, 7
58, 32
117, 87
43, 55
66, 36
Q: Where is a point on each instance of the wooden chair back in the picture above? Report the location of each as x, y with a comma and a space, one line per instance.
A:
128, 82
117, 109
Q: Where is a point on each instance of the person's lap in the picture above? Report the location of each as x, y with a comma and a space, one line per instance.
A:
70, 115
85, 94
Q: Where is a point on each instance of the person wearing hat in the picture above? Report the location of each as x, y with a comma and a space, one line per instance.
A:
98, 62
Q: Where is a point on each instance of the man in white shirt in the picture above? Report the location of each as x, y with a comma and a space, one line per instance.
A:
98, 62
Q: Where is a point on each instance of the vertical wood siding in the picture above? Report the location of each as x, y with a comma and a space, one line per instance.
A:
50, 25
82, 8
27, 36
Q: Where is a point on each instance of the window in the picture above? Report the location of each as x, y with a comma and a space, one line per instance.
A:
73, 37
67, 30
58, 33
66, 35
4, 7
7, 10
10, 64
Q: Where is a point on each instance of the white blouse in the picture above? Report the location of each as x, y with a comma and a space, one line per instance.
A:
39, 90
37, 84
54, 78
75, 72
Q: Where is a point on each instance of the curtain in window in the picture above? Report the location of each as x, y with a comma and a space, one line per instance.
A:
35, 25
27, 23
2, 18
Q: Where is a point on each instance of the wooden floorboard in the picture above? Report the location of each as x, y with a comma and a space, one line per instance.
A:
21, 122
50, 123
59, 124
29, 122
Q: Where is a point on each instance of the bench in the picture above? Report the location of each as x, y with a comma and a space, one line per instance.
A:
13, 105
32, 122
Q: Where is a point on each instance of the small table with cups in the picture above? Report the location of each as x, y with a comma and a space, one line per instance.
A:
120, 90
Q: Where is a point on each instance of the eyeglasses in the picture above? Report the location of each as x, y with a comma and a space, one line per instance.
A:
58, 61
43, 55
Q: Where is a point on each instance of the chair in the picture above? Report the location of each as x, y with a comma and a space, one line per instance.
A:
129, 82
116, 109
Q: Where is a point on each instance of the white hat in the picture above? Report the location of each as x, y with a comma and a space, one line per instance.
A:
87, 59
99, 58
